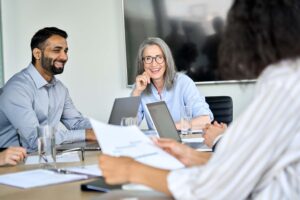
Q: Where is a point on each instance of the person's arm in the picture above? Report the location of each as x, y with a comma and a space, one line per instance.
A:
90, 135
141, 83
192, 97
16, 103
256, 140
198, 123
213, 132
118, 170
185, 154
79, 127
12, 156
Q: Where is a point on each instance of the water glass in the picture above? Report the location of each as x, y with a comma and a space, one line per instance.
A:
46, 146
128, 121
186, 120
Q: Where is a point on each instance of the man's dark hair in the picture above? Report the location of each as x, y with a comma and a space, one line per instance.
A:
259, 33
39, 38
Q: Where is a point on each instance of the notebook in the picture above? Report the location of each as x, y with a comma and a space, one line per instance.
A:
124, 107
165, 126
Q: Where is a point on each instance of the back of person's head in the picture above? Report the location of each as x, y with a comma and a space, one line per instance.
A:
39, 38
259, 33
169, 61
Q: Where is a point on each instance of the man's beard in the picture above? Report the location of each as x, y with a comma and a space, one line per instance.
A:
48, 64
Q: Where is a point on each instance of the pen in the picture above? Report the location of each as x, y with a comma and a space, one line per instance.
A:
65, 171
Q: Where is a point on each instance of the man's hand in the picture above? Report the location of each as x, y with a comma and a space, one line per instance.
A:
90, 135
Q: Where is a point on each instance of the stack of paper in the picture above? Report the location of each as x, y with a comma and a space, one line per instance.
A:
38, 177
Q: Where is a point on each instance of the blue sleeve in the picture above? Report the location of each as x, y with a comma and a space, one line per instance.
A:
16, 104
194, 98
71, 117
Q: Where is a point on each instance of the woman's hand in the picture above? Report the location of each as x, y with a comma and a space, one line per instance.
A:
118, 170
12, 155
141, 83
212, 131
185, 154
115, 169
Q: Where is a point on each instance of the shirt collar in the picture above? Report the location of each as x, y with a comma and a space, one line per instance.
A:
38, 78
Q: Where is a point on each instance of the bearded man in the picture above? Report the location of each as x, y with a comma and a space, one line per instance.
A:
34, 97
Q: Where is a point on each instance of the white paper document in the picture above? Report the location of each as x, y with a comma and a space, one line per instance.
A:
65, 157
38, 177
131, 141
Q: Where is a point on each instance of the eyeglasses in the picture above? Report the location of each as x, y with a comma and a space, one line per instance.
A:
149, 59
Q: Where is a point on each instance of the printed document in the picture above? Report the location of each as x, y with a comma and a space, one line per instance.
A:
38, 177
131, 141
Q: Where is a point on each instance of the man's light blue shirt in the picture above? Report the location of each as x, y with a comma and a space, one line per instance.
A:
183, 92
28, 101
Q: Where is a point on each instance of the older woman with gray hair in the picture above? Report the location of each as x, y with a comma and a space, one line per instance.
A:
157, 80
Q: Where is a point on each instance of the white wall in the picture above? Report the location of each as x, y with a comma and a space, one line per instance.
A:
96, 72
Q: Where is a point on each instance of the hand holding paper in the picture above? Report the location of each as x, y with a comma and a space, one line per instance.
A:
130, 141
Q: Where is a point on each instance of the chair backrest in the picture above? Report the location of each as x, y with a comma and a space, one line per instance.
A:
221, 107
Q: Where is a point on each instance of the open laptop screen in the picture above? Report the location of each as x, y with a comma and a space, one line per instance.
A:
162, 120
124, 107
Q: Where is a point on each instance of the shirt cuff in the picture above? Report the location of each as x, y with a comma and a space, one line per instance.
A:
183, 189
69, 136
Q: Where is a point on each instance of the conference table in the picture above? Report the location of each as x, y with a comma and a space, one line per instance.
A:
70, 190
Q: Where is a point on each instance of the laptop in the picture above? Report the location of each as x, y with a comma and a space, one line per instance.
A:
165, 126
124, 107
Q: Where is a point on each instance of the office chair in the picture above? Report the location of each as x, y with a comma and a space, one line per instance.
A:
221, 107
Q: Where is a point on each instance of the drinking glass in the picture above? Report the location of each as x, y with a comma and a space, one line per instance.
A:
46, 146
186, 120
128, 121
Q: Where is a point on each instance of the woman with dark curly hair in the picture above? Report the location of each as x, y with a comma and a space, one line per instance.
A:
259, 156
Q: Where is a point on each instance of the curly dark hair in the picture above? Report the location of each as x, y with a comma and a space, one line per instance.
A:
259, 33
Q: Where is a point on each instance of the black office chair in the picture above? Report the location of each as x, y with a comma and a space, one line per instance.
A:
221, 107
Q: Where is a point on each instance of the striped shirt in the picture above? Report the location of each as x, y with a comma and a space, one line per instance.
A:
259, 155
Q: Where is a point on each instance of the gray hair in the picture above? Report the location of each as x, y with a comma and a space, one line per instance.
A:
170, 72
